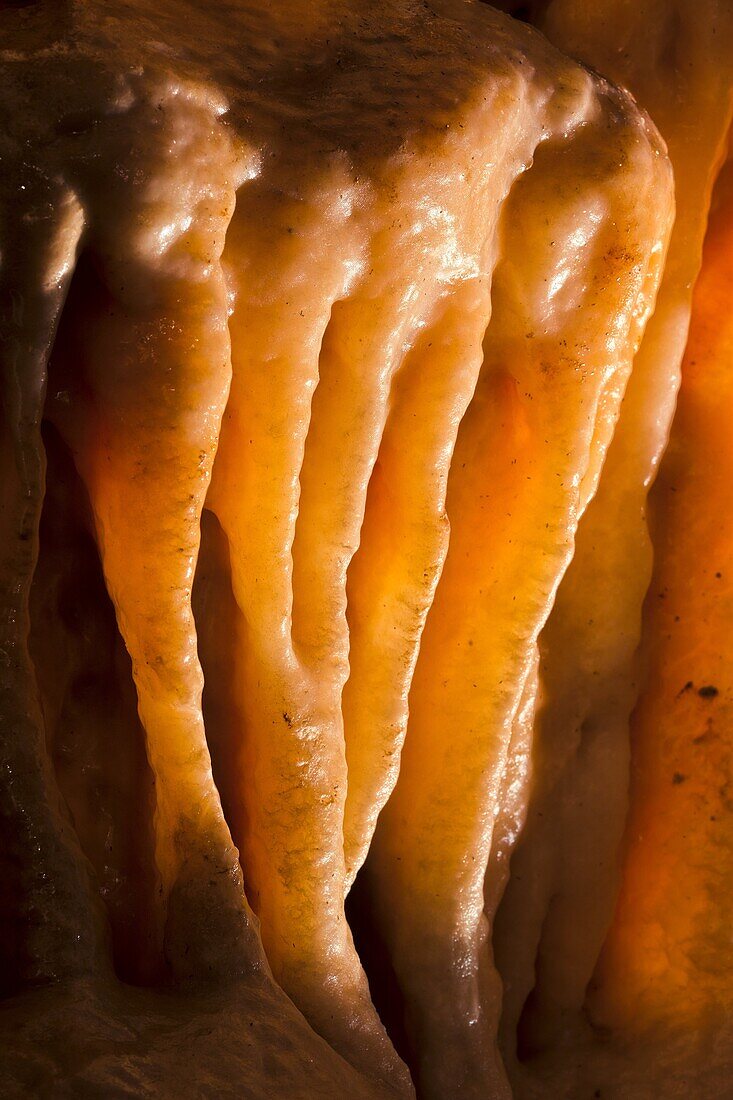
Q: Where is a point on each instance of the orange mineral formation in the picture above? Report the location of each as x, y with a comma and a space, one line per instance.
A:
339, 346
678, 59
670, 937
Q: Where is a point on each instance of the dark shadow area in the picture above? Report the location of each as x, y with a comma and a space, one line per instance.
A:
94, 737
219, 632
383, 986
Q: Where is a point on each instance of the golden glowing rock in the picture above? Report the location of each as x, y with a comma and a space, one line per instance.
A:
555, 914
670, 935
324, 332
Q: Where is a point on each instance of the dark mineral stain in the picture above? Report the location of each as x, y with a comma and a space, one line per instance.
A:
707, 692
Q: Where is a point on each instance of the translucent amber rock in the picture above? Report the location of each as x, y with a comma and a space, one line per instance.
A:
677, 60
658, 997
319, 319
